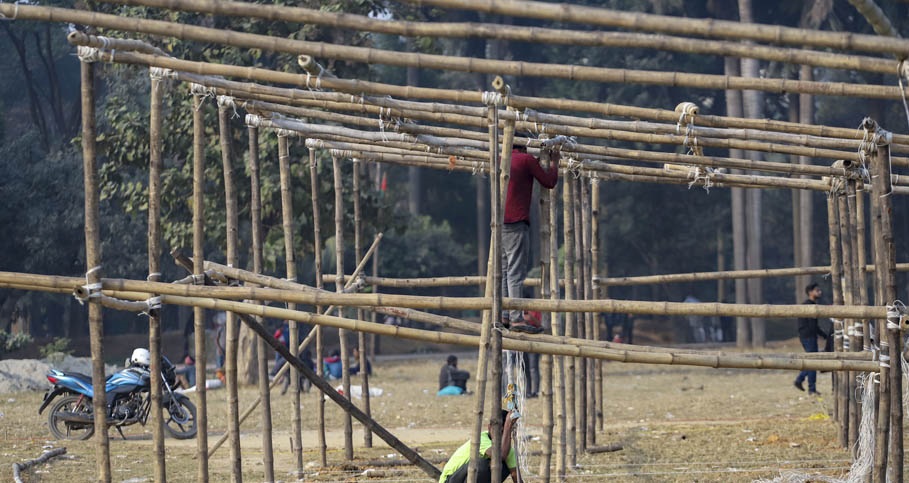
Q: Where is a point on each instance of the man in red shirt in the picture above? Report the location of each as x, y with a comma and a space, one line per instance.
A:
516, 229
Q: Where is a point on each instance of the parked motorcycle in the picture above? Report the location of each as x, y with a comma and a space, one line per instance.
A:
128, 396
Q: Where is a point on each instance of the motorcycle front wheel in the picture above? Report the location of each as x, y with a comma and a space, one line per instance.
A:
180, 421
60, 419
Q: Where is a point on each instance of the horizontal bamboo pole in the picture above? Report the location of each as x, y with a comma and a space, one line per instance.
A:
452, 63
775, 34
519, 102
472, 327
715, 361
468, 303
837, 138
523, 34
614, 133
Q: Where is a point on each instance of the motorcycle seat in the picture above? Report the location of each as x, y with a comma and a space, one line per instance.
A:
81, 377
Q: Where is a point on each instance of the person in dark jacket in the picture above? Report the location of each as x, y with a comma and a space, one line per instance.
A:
808, 334
450, 375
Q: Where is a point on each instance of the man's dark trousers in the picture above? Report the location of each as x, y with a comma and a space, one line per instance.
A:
810, 345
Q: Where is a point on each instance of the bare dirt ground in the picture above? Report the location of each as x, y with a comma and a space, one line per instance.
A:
676, 424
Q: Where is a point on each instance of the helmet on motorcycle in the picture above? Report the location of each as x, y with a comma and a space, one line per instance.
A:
140, 357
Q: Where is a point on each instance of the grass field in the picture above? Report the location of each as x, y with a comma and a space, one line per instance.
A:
675, 424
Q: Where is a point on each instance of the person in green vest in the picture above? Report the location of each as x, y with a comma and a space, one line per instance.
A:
455, 471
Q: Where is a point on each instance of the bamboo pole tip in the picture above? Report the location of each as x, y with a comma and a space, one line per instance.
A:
75, 36
500, 86
305, 61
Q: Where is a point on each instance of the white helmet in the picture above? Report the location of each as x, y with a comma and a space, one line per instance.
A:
140, 357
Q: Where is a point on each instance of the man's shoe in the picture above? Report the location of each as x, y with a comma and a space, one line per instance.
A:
798, 385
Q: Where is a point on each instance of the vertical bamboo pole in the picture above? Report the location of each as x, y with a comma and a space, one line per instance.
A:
847, 259
546, 361
835, 276
361, 336
856, 344
233, 329
290, 267
486, 330
93, 265
595, 294
557, 329
861, 250
317, 255
885, 263
568, 235
375, 339
198, 271
504, 179
590, 375
268, 458
581, 331
339, 270
154, 264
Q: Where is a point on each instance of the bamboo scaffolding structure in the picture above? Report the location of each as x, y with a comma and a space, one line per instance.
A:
198, 271
233, 258
856, 344
513, 33
93, 265
317, 263
154, 265
522, 103
268, 459
595, 293
712, 28
290, 264
345, 404
339, 267
264, 281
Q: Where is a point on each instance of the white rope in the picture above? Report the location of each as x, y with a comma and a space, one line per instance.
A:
491, 98
228, 101
15, 13
574, 167
313, 143
92, 290
904, 365
283, 133
161, 73
153, 277
253, 120
901, 71
515, 374
152, 303
88, 54
704, 175
198, 279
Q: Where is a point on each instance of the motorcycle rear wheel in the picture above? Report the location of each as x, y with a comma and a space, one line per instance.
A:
180, 419
62, 429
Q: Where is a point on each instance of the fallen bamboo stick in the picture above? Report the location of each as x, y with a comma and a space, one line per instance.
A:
44, 458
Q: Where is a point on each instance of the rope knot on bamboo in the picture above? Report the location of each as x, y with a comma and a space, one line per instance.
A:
492, 98
152, 306
228, 102
161, 73
88, 55
253, 120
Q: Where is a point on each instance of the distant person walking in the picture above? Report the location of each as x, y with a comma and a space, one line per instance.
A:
808, 334
516, 228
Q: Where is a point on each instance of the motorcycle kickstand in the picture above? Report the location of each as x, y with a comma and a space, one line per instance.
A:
119, 430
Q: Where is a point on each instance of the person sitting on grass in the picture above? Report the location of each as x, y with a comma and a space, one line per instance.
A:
455, 470
452, 381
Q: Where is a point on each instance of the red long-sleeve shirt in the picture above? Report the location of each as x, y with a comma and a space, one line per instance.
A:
524, 169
